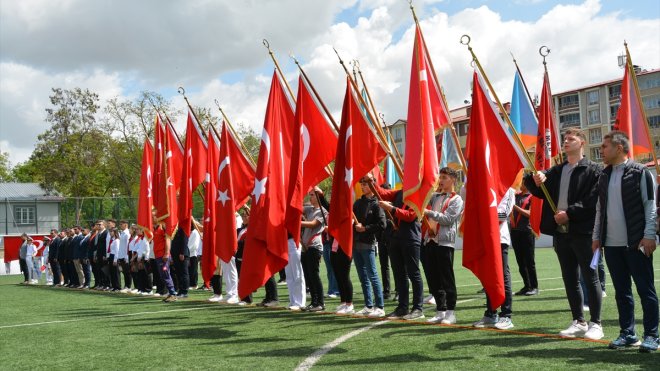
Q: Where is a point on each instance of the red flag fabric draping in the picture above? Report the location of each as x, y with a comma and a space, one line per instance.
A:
177, 154
266, 246
194, 171
242, 170
358, 151
166, 206
547, 147
13, 246
146, 202
492, 172
630, 117
209, 260
427, 115
225, 203
159, 155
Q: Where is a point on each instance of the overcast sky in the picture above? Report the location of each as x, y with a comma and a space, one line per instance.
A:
214, 49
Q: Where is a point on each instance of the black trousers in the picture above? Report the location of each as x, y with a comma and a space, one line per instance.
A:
95, 272
144, 277
384, 261
182, 273
523, 246
282, 275
439, 271
87, 270
507, 308
574, 254
126, 272
193, 272
311, 259
102, 272
114, 273
24, 268
57, 271
271, 290
341, 265
216, 284
405, 266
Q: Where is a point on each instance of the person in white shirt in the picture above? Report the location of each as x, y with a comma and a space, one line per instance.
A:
30, 253
230, 275
195, 248
142, 252
113, 263
122, 255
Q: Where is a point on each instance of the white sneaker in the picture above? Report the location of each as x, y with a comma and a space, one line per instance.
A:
157, 295
574, 330
604, 294
429, 300
595, 332
439, 316
215, 298
242, 303
504, 323
585, 308
377, 313
233, 300
364, 312
347, 309
450, 318
293, 308
134, 291
340, 307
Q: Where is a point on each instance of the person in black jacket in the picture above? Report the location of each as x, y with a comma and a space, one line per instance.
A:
371, 222
181, 256
53, 257
572, 185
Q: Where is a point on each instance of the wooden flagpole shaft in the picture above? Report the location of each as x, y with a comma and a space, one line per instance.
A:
633, 76
316, 94
530, 163
279, 70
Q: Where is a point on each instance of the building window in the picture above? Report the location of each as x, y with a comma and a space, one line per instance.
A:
24, 214
592, 97
397, 134
401, 149
595, 154
654, 122
569, 120
651, 83
463, 129
613, 110
569, 101
615, 91
594, 116
652, 101
595, 136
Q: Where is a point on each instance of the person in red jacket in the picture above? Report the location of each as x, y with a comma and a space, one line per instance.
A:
162, 244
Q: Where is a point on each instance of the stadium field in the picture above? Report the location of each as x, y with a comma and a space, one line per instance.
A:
57, 328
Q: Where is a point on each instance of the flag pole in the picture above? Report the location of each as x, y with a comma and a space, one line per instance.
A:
370, 116
529, 96
442, 94
182, 91
235, 134
279, 70
390, 137
631, 72
545, 69
465, 40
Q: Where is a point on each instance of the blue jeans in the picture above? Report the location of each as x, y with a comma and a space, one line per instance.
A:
624, 264
333, 288
163, 265
365, 263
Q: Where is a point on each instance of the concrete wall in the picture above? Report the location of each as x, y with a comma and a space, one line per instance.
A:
47, 217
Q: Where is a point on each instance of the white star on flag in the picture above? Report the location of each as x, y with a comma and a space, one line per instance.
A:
223, 197
259, 188
349, 177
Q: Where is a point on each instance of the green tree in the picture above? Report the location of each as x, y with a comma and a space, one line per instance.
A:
5, 168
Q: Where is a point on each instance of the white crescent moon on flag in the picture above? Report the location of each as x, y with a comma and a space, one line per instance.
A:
266, 139
38, 243
349, 132
305, 138
223, 164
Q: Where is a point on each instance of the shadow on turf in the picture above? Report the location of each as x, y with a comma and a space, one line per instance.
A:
393, 359
598, 357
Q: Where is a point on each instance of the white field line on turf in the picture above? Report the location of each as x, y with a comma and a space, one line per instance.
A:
113, 316
312, 359
519, 281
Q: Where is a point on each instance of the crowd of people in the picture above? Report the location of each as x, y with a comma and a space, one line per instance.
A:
600, 211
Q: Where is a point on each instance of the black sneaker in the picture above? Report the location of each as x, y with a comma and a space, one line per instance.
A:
522, 291
398, 313
482, 291
316, 308
307, 308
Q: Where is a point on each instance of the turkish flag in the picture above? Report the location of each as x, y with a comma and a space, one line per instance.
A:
427, 115
159, 155
266, 246
308, 165
242, 170
355, 158
177, 155
225, 204
630, 116
494, 164
547, 147
194, 171
146, 202
209, 259
166, 207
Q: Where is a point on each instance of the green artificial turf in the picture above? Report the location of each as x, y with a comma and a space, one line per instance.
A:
75, 330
